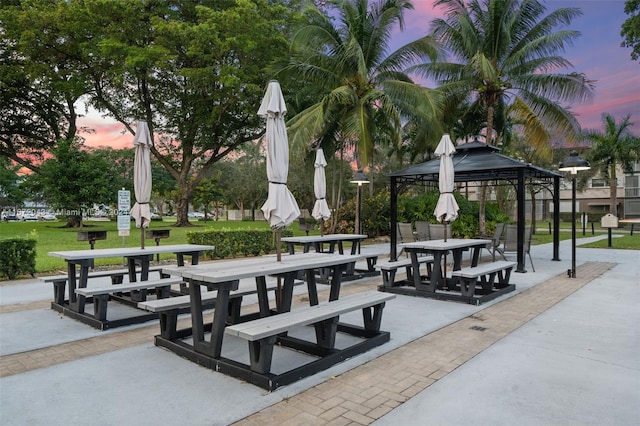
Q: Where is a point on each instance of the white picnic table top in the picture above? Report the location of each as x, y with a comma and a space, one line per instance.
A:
451, 243
128, 251
217, 272
323, 238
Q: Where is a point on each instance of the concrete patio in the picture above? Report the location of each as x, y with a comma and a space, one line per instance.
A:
556, 351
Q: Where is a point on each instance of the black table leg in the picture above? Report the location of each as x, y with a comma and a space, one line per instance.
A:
336, 281
312, 289
131, 265
263, 296
77, 302
212, 348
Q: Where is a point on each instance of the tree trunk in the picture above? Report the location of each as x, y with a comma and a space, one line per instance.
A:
74, 221
482, 201
182, 208
613, 191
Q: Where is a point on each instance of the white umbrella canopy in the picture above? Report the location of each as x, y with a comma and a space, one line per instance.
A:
142, 177
320, 208
281, 208
447, 207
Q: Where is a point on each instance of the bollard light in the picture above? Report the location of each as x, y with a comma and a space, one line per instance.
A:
360, 179
573, 164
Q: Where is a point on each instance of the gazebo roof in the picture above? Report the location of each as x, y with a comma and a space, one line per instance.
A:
472, 162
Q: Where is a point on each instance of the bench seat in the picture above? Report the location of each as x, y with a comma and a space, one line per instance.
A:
389, 268
117, 277
372, 256
484, 275
262, 333
169, 308
96, 274
101, 295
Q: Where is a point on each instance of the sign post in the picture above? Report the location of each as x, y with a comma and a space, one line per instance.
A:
124, 213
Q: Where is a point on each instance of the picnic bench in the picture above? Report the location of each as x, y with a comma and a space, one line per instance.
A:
333, 242
117, 277
262, 334
204, 346
389, 268
138, 292
168, 309
80, 261
484, 275
441, 284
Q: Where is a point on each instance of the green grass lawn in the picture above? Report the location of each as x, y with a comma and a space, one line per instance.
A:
623, 241
52, 236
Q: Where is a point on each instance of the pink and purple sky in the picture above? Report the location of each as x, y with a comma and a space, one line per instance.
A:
596, 53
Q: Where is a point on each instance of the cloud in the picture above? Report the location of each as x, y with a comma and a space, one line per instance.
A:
104, 132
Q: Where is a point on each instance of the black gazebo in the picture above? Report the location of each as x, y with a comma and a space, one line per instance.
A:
477, 162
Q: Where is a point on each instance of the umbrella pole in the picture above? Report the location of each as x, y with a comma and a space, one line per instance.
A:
142, 237
446, 286
278, 258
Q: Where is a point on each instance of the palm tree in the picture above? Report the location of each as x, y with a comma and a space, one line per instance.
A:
616, 146
364, 96
507, 52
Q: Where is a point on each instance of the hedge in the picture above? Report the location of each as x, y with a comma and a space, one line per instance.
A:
236, 243
17, 256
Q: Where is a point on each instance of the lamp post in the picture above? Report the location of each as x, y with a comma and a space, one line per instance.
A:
573, 164
360, 179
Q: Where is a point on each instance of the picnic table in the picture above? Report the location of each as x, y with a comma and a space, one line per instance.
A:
224, 278
324, 243
80, 261
328, 244
440, 286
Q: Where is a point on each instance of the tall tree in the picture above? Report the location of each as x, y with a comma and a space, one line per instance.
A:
509, 49
363, 94
196, 70
74, 180
614, 147
631, 28
40, 85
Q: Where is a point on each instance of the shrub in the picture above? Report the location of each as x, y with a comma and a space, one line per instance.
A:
17, 256
234, 243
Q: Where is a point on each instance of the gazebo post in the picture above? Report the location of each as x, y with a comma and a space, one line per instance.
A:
521, 219
393, 252
556, 218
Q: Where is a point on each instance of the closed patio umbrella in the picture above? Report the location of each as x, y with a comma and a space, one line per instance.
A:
447, 208
320, 208
142, 178
281, 208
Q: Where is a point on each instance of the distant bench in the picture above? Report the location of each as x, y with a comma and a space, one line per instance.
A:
117, 277
484, 275
169, 309
390, 268
262, 334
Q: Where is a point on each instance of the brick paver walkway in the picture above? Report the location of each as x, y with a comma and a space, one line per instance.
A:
369, 391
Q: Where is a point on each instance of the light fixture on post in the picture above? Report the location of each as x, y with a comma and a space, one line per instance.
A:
360, 179
573, 164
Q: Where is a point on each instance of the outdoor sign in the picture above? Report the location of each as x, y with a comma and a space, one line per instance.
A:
124, 213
